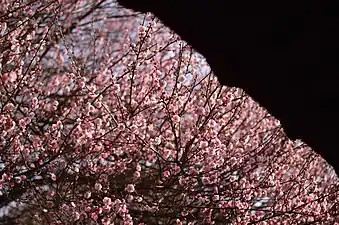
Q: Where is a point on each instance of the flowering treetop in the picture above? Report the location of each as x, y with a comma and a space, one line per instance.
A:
107, 117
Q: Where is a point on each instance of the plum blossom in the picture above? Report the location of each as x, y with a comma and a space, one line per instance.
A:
98, 186
87, 194
166, 174
100, 106
53, 177
94, 216
137, 174
176, 119
205, 180
130, 188
107, 201
203, 144
9, 107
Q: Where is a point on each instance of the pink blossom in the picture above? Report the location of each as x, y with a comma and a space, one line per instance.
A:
130, 188
176, 119
181, 79
87, 194
5, 77
106, 221
23, 178
4, 177
130, 198
177, 169
76, 216
104, 155
106, 208
205, 180
142, 29
102, 109
193, 171
134, 128
123, 209
94, 216
107, 201
51, 193
138, 167
136, 174
212, 123
9, 107
121, 126
53, 177
166, 174
50, 204
201, 111
158, 73
184, 213
13, 77
98, 186
17, 180
215, 198
182, 181
203, 144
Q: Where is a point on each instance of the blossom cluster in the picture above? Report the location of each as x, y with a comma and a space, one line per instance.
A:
108, 117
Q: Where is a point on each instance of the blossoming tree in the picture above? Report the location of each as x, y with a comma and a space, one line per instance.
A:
107, 117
